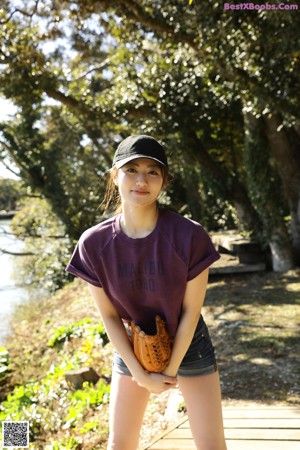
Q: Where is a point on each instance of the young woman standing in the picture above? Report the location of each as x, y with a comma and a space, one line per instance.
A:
147, 261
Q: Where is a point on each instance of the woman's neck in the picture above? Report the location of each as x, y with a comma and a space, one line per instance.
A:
139, 222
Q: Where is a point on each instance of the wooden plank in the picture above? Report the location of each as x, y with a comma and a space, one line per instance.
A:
277, 423
245, 433
259, 445
262, 434
261, 413
167, 444
246, 428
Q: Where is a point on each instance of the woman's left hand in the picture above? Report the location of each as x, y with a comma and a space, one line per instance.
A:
156, 383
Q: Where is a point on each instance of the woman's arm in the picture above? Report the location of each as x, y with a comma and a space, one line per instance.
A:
118, 337
191, 310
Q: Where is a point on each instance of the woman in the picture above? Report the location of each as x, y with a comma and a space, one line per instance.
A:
146, 261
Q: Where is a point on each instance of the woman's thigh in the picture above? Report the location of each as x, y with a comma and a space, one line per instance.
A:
202, 397
128, 402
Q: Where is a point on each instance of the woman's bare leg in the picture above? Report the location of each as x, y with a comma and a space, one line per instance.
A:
128, 402
203, 401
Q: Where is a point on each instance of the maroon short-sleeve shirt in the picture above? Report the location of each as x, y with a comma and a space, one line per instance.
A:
148, 276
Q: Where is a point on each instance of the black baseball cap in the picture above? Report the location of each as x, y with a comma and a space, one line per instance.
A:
139, 146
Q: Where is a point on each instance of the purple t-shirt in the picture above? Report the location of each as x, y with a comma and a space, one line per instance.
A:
144, 277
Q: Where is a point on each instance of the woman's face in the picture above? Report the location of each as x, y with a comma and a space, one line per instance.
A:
140, 181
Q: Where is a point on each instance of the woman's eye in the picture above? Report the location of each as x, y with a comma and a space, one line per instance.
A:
130, 170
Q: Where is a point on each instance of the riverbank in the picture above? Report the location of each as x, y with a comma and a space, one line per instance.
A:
10, 293
253, 322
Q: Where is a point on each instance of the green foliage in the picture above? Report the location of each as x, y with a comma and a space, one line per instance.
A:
10, 193
84, 74
63, 334
78, 329
46, 243
48, 403
59, 415
92, 425
22, 405
83, 399
4, 363
67, 443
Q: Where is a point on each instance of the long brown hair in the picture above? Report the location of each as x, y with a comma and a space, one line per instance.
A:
111, 197
112, 201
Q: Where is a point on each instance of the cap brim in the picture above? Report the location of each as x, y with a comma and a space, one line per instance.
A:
119, 164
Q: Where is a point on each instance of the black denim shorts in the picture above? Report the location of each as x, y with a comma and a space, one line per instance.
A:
199, 359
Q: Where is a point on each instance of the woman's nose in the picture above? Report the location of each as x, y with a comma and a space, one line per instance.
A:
141, 179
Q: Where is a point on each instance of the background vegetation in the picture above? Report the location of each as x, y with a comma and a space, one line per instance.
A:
219, 88
10, 193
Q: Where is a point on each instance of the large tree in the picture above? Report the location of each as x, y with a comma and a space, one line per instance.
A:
218, 87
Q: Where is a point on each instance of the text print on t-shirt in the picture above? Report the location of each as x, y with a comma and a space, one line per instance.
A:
141, 275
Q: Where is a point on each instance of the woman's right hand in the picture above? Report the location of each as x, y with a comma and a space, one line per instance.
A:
156, 383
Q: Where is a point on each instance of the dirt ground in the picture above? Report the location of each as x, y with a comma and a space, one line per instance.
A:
254, 323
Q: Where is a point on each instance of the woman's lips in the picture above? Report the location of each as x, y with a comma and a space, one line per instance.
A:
138, 192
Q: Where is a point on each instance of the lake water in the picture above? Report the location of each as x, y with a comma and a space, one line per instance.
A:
10, 294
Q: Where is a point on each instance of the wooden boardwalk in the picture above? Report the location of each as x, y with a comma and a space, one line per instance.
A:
246, 428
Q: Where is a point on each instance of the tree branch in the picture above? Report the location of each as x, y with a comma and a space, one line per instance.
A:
156, 23
101, 66
14, 157
21, 11
66, 100
33, 236
9, 168
159, 25
6, 252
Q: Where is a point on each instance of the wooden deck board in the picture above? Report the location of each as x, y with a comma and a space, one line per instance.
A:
245, 434
262, 428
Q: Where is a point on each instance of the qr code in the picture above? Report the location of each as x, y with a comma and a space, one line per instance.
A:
15, 434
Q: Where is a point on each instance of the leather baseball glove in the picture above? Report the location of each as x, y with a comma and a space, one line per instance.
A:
152, 351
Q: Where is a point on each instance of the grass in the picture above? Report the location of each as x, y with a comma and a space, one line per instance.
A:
253, 322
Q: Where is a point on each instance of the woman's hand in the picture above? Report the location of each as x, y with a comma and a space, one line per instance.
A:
156, 383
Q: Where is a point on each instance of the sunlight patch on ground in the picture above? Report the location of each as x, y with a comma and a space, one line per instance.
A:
261, 361
293, 287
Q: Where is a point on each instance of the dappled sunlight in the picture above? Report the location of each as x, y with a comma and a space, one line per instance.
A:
261, 361
293, 287
253, 323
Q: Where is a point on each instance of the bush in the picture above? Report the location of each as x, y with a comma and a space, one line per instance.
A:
47, 246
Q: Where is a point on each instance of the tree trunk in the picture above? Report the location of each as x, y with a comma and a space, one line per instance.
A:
264, 190
281, 253
230, 187
288, 166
